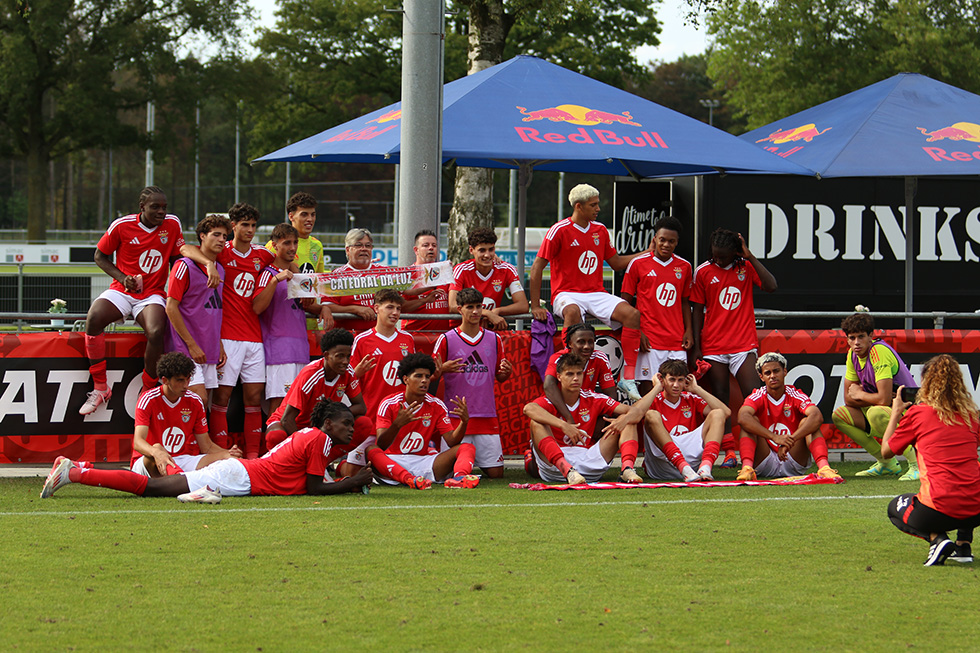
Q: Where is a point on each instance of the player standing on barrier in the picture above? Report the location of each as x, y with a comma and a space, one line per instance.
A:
723, 314
194, 308
944, 426
297, 466
143, 244
493, 278
874, 370
780, 427
433, 300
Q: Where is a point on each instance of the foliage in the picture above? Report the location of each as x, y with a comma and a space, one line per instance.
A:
781, 56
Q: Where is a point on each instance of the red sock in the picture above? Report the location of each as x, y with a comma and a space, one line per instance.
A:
728, 442
631, 348
99, 376
115, 479
173, 469
551, 450
274, 437
253, 431
219, 425
149, 382
674, 455
818, 449
710, 454
465, 458
627, 451
746, 447
385, 466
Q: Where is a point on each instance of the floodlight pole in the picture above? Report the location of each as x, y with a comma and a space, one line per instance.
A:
420, 169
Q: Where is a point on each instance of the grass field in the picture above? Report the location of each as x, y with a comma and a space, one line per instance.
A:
792, 568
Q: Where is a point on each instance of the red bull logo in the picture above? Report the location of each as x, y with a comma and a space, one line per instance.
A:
957, 132
804, 133
388, 117
574, 114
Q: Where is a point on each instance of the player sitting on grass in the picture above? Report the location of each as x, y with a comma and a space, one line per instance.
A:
573, 451
874, 369
171, 427
412, 424
684, 426
780, 427
297, 466
944, 425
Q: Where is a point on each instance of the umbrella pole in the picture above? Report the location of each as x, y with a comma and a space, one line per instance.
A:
910, 187
523, 181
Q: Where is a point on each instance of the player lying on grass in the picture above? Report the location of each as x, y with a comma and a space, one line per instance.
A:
684, 426
944, 426
297, 466
573, 451
780, 427
171, 427
873, 371
412, 425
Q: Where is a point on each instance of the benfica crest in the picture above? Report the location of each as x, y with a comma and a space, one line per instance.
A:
185, 414
678, 273
584, 413
426, 422
595, 239
787, 411
340, 389
686, 411
497, 285
741, 275
164, 237
258, 266
404, 348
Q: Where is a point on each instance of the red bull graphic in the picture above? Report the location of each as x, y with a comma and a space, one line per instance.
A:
957, 132
394, 114
804, 133
574, 114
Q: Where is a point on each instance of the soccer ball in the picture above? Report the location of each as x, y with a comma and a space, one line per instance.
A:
609, 346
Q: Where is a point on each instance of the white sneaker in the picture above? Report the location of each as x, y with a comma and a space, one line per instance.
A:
690, 476
629, 475
57, 477
95, 399
204, 495
705, 474
628, 388
574, 478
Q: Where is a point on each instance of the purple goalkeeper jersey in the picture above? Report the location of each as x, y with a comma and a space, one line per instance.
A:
200, 307
475, 378
283, 325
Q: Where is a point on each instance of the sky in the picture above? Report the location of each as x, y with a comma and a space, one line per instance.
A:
676, 38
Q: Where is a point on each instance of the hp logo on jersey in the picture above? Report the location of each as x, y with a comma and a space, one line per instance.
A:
390, 373
150, 261
730, 298
588, 262
680, 429
413, 443
244, 284
666, 294
489, 304
173, 439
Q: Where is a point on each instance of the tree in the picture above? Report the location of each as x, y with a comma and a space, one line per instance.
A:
69, 68
782, 56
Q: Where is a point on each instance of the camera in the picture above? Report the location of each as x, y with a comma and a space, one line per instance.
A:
909, 393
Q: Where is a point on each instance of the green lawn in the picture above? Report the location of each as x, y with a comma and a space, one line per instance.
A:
495, 568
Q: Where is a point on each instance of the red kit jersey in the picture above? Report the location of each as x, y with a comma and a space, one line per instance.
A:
502, 277
598, 374
781, 415
729, 311
142, 250
310, 387
171, 424
686, 415
283, 470
381, 380
239, 321
576, 256
422, 436
659, 286
356, 325
586, 412
436, 303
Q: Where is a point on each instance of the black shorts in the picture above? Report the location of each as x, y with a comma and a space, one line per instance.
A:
915, 518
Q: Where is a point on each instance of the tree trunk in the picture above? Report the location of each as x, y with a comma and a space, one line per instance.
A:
103, 181
473, 191
37, 192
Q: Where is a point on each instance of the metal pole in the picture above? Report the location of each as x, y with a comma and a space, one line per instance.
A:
197, 164
286, 200
395, 231
511, 208
238, 146
523, 181
150, 126
910, 187
112, 208
561, 196
421, 136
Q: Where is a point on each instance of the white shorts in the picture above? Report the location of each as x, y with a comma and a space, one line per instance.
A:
587, 462
489, 452
206, 375
245, 360
129, 305
414, 465
227, 475
186, 463
648, 362
773, 467
359, 455
278, 378
733, 361
655, 461
599, 305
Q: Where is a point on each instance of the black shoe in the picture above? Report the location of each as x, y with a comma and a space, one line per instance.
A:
962, 553
940, 549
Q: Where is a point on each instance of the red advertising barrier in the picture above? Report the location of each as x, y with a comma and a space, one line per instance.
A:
45, 378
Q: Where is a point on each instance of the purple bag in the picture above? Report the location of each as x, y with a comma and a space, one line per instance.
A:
542, 344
